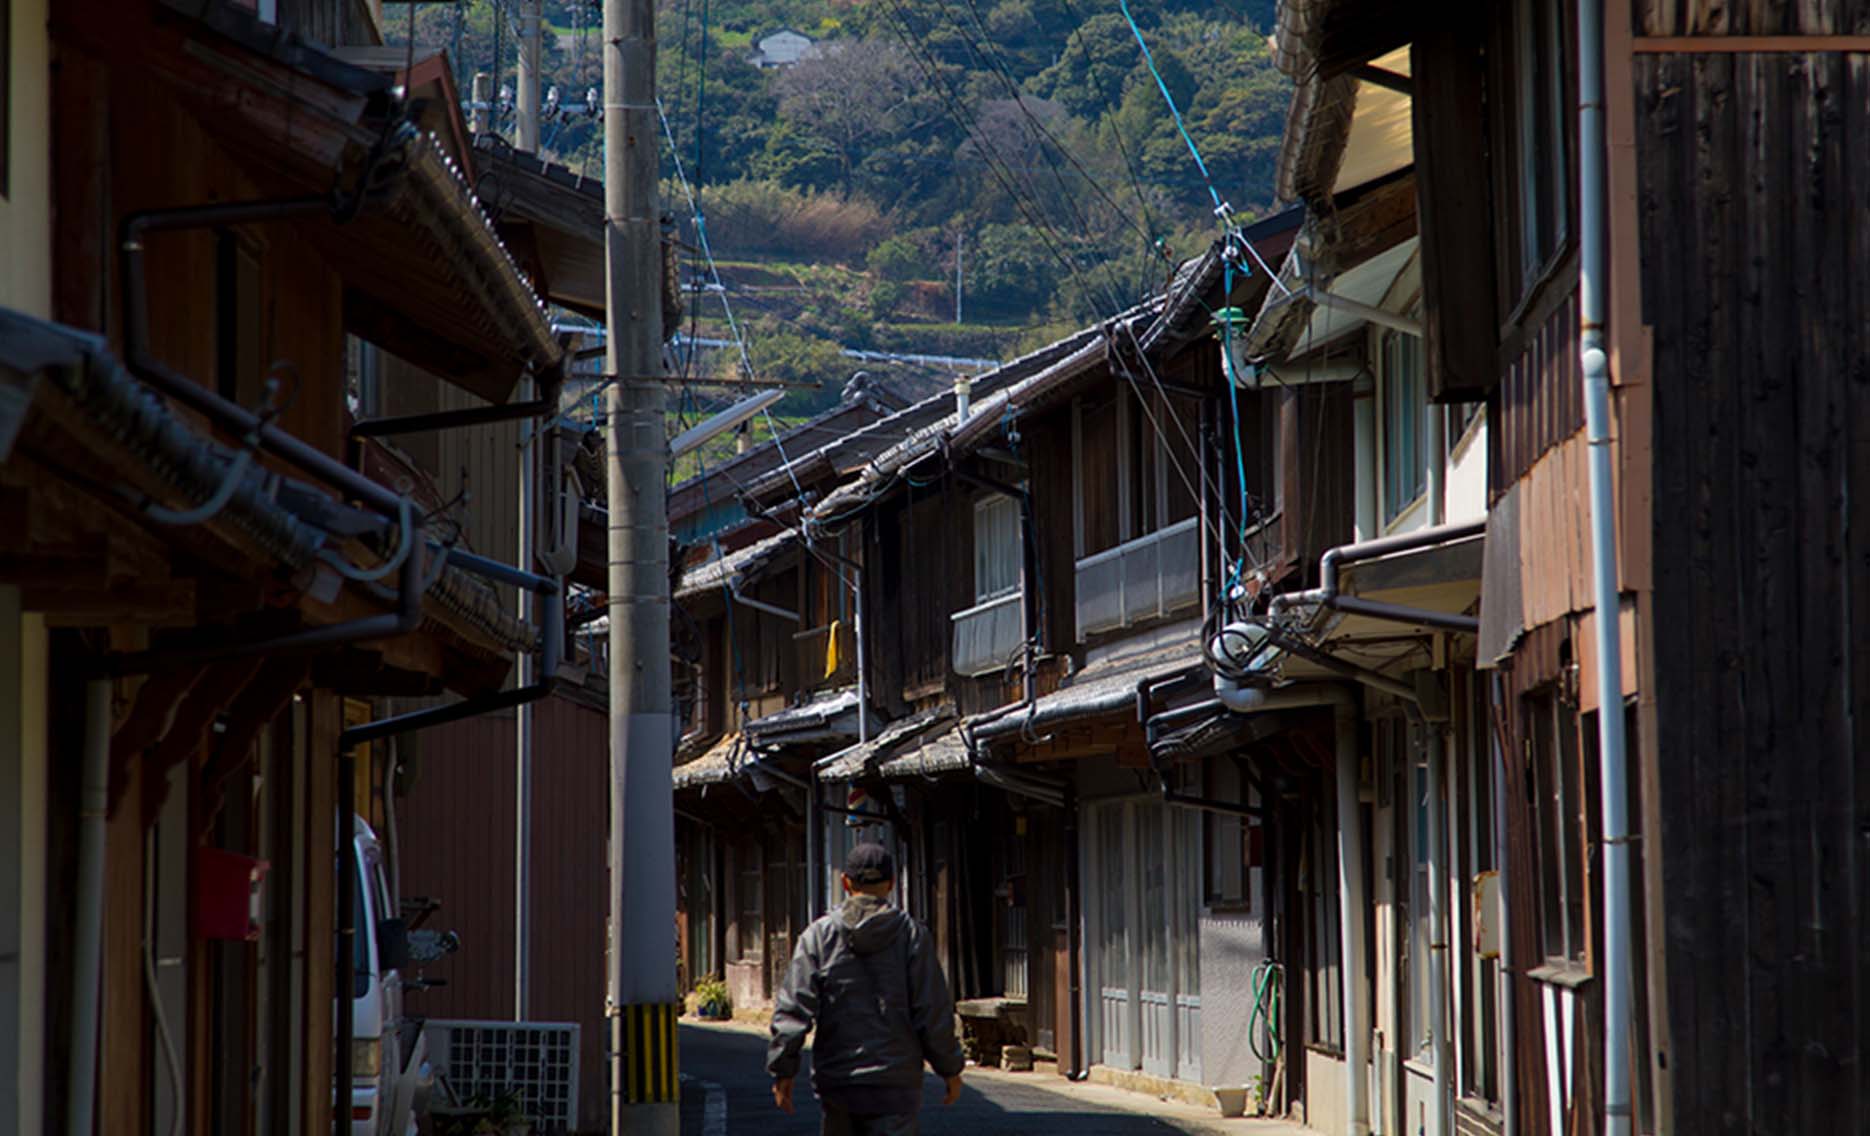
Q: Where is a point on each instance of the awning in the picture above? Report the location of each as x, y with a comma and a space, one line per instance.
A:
562, 215
719, 763
1101, 689
827, 718
919, 743
1358, 255
74, 399
425, 274
1443, 578
734, 568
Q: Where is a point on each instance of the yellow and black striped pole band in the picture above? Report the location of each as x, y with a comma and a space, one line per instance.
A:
649, 1054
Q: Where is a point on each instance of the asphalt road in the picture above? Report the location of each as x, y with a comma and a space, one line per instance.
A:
730, 1066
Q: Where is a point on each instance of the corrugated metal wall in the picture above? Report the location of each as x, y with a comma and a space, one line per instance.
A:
455, 838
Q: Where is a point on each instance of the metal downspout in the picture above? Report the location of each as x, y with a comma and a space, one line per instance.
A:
1593, 281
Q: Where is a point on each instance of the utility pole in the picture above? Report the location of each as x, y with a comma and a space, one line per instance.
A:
642, 996
481, 99
526, 99
959, 238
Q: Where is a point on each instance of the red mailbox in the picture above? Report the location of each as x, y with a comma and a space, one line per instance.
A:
228, 894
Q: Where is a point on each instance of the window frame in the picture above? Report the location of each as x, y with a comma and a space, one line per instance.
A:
1535, 170
991, 512
1403, 410
749, 902
1225, 834
1563, 813
1144, 501
1323, 915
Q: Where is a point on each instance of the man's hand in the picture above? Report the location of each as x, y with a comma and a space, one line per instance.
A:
782, 1093
952, 1095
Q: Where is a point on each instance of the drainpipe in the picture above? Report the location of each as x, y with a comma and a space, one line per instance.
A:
1593, 281
1253, 700
1326, 594
88, 949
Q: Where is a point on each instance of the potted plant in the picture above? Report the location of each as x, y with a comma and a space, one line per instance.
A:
505, 1116
712, 1001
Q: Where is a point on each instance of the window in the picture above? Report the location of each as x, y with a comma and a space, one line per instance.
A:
1540, 127
749, 925
1230, 844
996, 548
1480, 1022
1421, 932
1136, 466
1556, 759
1318, 888
239, 364
1404, 403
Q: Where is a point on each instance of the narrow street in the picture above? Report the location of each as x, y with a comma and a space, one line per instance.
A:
728, 1065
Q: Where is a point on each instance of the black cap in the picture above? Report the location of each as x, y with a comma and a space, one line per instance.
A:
870, 864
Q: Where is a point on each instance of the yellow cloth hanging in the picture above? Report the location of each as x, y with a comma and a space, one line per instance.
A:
831, 647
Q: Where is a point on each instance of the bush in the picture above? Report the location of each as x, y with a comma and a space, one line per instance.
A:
761, 217
712, 1000
885, 297
899, 259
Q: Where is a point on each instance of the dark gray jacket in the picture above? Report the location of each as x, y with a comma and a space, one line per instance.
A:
865, 975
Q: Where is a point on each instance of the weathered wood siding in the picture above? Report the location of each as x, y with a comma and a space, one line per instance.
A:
1538, 403
1755, 224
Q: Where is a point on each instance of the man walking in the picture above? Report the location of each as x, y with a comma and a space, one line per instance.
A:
865, 976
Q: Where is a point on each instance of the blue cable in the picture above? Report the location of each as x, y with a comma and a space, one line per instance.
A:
1233, 403
1220, 208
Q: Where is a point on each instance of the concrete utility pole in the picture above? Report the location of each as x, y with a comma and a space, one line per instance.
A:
526, 99
481, 98
643, 1000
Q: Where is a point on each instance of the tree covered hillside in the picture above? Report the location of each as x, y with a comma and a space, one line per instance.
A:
1030, 132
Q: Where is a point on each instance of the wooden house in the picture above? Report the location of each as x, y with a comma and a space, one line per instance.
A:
211, 581
1714, 447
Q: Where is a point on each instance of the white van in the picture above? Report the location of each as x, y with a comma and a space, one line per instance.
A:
391, 1077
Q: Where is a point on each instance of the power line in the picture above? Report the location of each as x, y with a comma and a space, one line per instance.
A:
1006, 77
964, 118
